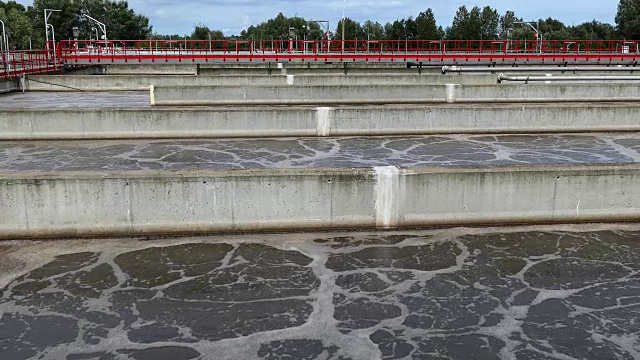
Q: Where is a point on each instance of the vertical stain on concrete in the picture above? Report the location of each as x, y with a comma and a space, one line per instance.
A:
129, 192
26, 204
386, 196
290, 79
325, 118
152, 96
450, 92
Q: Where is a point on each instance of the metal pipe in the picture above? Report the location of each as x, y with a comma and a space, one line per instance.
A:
526, 79
5, 45
101, 26
47, 13
46, 30
574, 69
53, 38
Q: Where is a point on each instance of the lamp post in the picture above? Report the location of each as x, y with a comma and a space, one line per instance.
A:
101, 26
304, 40
328, 32
292, 34
47, 14
76, 34
344, 5
324, 24
535, 30
53, 37
5, 45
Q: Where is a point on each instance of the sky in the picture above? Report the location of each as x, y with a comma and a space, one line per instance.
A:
232, 16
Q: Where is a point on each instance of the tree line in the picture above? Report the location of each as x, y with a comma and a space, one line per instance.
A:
25, 25
474, 23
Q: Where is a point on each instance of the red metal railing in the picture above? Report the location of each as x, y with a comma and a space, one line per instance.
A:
112, 51
17, 63
28, 62
233, 47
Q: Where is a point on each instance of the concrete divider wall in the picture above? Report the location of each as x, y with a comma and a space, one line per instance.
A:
142, 82
135, 203
136, 69
339, 94
155, 123
314, 121
7, 86
596, 91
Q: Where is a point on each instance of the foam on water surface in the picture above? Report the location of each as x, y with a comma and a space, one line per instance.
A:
562, 292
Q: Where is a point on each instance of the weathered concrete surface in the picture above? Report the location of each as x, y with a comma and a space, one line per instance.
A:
7, 86
137, 69
568, 292
381, 94
159, 187
75, 100
67, 82
142, 82
112, 203
116, 122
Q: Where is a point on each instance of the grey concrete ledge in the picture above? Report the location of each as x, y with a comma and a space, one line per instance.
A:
152, 203
142, 82
381, 94
7, 86
312, 121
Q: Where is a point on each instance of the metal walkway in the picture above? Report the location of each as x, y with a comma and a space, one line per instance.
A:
415, 52
424, 52
16, 63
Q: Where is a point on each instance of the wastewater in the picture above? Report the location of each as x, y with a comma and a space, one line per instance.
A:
539, 292
514, 293
346, 152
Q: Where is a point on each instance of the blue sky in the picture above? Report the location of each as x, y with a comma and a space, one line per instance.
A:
231, 16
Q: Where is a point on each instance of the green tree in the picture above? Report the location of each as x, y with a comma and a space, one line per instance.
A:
410, 28
280, 27
489, 24
374, 30
62, 22
352, 30
593, 30
19, 29
553, 29
200, 32
426, 26
122, 23
510, 30
466, 25
628, 19
395, 30
18, 24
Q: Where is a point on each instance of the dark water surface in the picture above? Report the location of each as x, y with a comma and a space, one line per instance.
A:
561, 292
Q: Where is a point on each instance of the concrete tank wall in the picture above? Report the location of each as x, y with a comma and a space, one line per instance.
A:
136, 69
7, 86
338, 94
29, 124
142, 82
137, 203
